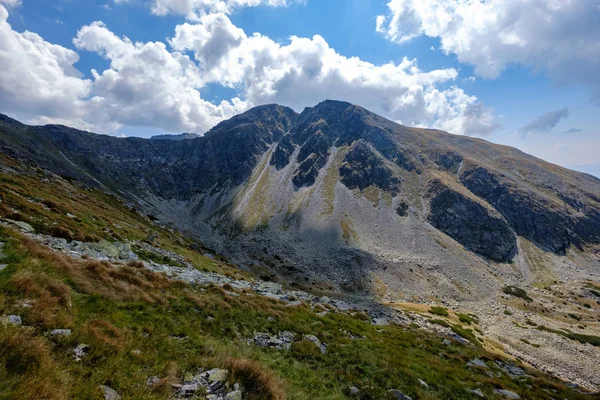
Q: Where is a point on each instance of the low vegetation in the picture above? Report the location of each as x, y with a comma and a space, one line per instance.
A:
436, 310
591, 339
517, 292
138, 324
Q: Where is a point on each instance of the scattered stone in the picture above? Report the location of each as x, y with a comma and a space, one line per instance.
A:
446, 342
80, 351
424, 384
511, 370
23, 225
399, 395
109, 393
217, 375
354, 391
12, 320
153, 380
507, 393
477, 392
136, 352
477, 363
283, 341
460, 339
317, 343
69, 215
235, 395
380, 322
61, 332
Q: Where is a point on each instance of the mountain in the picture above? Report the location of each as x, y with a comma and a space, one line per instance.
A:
340, 197
391, 249
181, 136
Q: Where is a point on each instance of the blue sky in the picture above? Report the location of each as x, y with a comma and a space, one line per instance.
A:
510, 87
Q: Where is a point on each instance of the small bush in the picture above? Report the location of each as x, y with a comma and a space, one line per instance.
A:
435, 310
259, 383
574, 316
440, 322
517, 292
506, 312
467, 319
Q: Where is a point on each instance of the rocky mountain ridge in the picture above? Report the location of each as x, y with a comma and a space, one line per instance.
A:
339, 194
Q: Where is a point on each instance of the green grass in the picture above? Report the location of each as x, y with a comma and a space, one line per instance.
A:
467, 319
118, 310
591, 339
437, 310
133, 321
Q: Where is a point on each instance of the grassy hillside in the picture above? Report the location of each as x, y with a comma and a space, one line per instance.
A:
138, 324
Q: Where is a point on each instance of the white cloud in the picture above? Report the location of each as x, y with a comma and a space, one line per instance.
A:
559, 37
38, 78
195, 9
147, 85
157, 84
307, 70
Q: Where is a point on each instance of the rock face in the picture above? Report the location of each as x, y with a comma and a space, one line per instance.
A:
336, 195
471, 222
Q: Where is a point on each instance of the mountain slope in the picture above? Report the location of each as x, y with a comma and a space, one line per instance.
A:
338, 194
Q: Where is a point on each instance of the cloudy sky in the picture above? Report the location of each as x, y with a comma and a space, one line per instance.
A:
519, 72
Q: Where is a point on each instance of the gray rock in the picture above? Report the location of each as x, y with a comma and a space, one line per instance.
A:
217, 375
23, 225
61, 332
153, 380
109, 393
380, 321
477, 392
477, 363
317, 343
235, 395
446, 342
354, 391
424, 384
507, 393
511, 370
399, 395
13, 320
80, 351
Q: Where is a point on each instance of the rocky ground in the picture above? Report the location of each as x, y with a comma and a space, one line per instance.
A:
510, 321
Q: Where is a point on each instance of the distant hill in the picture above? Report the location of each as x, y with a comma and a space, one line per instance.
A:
181, 136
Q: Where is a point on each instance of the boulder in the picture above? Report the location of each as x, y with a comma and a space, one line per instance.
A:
399, 395
507, 393
109, 393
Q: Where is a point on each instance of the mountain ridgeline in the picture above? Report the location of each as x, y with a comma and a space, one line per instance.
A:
337, 194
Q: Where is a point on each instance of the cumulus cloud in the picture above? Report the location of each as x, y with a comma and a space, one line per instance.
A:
307, 70
559, 37
160, 84
545, 122
38, 78
195, 9
147, 85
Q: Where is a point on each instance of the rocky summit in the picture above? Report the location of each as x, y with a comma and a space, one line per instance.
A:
339, 196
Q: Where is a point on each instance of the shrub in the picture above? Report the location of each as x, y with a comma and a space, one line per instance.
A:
467, 319
517, 292
259, 383
435, 310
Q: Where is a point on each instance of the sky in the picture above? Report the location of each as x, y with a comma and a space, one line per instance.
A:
525, 73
